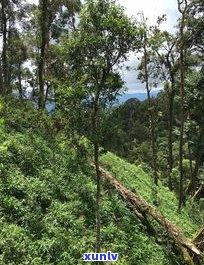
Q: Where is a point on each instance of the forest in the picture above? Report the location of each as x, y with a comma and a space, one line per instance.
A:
81, 172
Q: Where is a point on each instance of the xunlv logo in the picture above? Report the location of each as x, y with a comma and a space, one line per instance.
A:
101, 256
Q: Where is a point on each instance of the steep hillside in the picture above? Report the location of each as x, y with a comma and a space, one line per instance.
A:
141, 183
47, 208
47, 200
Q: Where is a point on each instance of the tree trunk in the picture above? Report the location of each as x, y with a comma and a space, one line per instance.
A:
181, 139
44, 41
199, 155
20, 88
4, 49
170, 135
9, 45
187, 249
199, 239
151, 120
1, 79
95, 119
182, 84
190, 160
98, 198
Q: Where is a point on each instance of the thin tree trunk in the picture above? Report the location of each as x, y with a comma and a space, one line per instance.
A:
20, 88
170, 136
1, 79
151, 120
199, 154
182, 116
192, 186
97, 170
190, 160
4, 50
44, 40
181, 137
9, 66
169, 63
98, 198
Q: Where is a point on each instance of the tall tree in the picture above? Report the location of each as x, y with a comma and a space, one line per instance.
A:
102, 41
145, 75
195, 108
195, 25
182, 8
166, 61
48, 12
5, 10
12, 16
44, 40
17, 57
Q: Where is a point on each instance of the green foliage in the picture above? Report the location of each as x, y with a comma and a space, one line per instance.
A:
125, 131
93, 54
141, 183
47, 188
47, 194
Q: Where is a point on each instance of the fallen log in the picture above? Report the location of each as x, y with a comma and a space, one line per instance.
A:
199, 239
186, 247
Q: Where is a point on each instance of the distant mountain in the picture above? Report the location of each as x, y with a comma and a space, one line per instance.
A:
141, 96
121, 99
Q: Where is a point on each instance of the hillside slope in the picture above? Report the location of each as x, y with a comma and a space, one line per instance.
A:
47, 200
141, 183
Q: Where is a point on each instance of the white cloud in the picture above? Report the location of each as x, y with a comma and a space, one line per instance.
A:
151, 9
33, 1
